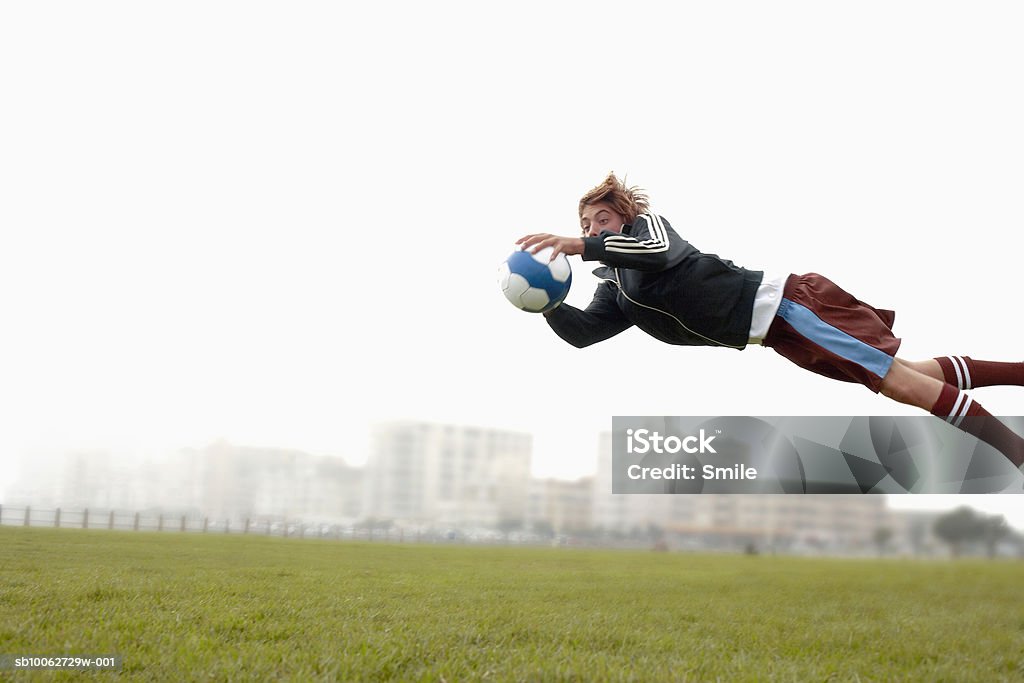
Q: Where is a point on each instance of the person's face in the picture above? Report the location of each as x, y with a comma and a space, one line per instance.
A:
598, 217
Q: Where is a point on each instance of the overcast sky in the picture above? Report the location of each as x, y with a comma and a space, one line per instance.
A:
276, 223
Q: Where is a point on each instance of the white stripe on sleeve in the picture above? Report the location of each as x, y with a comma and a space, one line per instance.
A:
625, 244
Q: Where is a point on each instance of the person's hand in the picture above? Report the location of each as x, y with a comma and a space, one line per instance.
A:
560, 245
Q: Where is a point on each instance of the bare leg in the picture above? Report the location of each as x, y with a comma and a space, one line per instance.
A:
929, 367
964, 372
906, 383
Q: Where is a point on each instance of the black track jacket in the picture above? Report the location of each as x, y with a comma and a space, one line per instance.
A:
656, 280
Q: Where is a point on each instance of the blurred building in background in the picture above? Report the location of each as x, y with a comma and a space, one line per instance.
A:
560, 506
710, 520
240, 481
439, 480
221, 480
630, 514
447, 475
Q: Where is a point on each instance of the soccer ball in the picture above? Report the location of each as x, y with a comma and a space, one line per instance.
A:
532, 282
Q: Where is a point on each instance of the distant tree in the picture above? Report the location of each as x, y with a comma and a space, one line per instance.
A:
994, 529
957, 527
1016, 539
882, 536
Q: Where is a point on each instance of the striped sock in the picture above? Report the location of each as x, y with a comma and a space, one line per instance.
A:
963, 412
963, 372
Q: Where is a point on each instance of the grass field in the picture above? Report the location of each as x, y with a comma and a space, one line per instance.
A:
206, 607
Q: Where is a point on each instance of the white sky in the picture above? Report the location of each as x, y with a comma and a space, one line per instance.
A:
277, 222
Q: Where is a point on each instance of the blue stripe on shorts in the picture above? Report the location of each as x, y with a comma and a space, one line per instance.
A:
804, 321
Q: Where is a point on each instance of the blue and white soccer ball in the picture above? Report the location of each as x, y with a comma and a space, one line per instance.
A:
532, 282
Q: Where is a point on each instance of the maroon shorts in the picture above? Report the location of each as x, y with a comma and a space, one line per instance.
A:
826, 330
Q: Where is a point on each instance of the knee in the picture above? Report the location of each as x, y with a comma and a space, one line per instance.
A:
891, 387
899, 382
905, 385
928, 368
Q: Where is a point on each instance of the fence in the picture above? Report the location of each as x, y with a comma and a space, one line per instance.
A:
120, 520
383, 531
93, 518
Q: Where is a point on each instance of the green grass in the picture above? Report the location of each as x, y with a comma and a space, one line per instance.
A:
208, 607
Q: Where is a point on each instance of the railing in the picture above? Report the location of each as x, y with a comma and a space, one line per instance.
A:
98, 518
109, 519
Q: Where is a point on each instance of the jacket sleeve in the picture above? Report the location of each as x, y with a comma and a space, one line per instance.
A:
651, 245
601, 320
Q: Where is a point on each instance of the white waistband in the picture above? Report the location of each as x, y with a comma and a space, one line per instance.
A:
766, 305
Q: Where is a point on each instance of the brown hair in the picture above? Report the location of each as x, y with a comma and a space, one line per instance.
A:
628, 201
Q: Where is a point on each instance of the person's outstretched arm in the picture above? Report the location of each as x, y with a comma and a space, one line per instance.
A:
601, 320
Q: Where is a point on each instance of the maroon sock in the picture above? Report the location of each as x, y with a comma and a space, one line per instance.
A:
963, 412
963, 372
